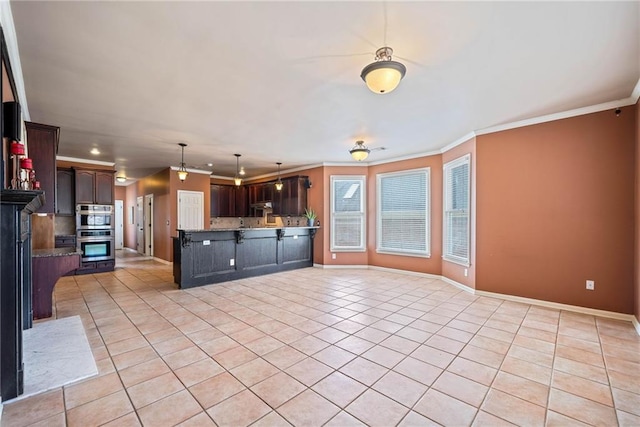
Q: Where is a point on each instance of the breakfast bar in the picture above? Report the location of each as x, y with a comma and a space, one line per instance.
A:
203, 257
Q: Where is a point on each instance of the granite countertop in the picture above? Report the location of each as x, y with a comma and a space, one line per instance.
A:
41, 253
249, 228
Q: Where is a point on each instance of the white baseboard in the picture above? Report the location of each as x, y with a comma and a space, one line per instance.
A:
636, 324
549, 304
341, 266
407, 272
457, 285
559, 306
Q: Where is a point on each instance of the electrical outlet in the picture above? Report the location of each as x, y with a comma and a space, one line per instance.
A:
333, 256
466, 272
232, 262
591, 285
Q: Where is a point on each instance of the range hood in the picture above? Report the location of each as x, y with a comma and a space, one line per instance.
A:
262, 205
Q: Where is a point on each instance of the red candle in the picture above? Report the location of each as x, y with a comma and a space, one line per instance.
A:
17, 148
36, 185
26, 163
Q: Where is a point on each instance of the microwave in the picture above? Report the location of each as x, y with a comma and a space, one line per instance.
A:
94, 217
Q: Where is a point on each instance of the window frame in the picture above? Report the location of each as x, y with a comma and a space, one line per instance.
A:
362, 214
390, 251
446, 169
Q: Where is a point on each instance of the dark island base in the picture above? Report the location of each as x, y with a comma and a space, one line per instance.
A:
204, 257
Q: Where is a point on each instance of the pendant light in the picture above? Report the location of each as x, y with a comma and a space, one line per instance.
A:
279, 183
359, 151
237, 179
182, 171
383, 75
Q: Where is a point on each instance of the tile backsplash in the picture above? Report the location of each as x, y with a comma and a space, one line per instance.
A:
271, 221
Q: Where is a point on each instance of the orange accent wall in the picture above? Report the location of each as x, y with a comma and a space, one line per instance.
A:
194, 182
450, 269
556, 207
120, 192
316, 201
431, 265
129, 219
636, 310
158, 185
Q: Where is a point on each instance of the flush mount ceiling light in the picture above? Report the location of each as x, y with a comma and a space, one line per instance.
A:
383, 75
237, 179
279, 183
121, 178
359, 151
95, 151
182, 172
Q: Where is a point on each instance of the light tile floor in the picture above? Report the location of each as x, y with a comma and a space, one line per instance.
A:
336, 348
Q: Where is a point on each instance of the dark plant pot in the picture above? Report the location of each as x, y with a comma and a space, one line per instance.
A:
310, 222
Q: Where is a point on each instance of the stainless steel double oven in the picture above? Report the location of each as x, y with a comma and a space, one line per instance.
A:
95, 232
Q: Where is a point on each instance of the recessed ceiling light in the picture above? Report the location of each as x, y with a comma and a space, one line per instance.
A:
210, 164
95, 151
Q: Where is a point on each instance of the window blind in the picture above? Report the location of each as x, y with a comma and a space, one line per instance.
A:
347, 213
403, 212
456, 210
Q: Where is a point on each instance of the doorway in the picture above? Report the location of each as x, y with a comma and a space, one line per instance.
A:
140, 225
148, 225
119, 205
190, 210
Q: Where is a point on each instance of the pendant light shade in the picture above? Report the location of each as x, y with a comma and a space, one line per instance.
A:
237, 179
279, 183
383, 75
182, 171
359, 151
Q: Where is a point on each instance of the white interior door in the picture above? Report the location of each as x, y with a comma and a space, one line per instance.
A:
140, 225
119, 224
190, 210
148, 224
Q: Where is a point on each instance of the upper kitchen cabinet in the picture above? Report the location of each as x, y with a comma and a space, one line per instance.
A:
228, 200
292, 199
65, 204
42, 141
94, 186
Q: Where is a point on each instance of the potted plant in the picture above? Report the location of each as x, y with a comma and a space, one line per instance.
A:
311, 216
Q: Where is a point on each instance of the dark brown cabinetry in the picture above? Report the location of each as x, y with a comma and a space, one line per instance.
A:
94, 186
65, 203
66, 241
228, 200
292, 199
43, 146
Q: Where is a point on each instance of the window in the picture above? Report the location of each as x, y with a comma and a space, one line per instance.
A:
347, 213
456, 210
403, 213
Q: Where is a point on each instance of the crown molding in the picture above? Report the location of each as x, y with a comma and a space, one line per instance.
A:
9, 29
458, 141
200, 171
89, 162
635, 94
559, 116
283, 172
407, 157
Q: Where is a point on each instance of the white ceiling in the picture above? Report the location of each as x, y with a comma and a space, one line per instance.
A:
280, 81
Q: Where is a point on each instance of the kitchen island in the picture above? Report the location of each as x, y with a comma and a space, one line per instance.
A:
203, 257
48, 266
